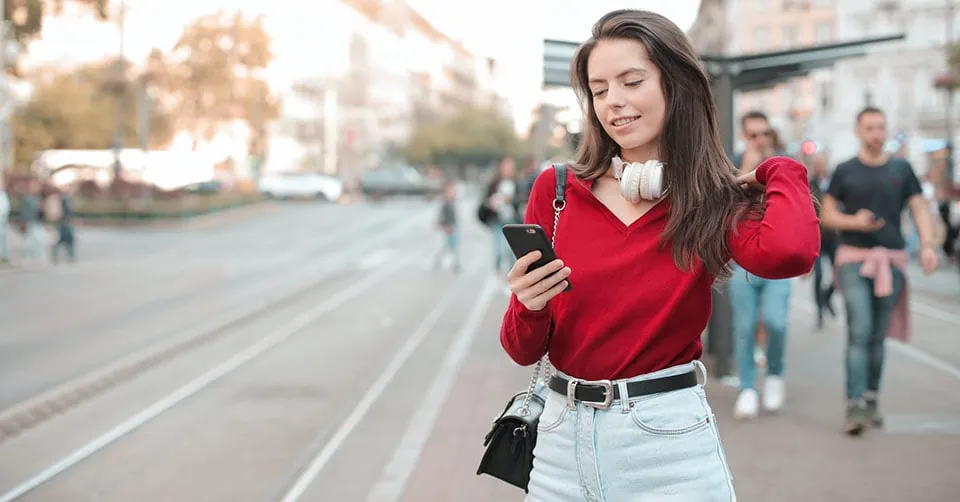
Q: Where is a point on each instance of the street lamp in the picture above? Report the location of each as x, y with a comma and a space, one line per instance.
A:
120, 77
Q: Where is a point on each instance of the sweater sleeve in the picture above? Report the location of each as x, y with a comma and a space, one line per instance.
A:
524, 332
786, 241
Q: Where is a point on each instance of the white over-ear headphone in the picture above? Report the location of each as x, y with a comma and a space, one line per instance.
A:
639, 181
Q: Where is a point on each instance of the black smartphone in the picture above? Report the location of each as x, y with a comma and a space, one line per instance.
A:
525, 238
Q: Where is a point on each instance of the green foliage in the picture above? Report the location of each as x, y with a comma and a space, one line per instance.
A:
77, 110
471, 136
953, 58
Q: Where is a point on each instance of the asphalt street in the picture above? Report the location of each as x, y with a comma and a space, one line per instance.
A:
313, 352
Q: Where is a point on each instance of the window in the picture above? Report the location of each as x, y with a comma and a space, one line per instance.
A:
761, 37
789, 36
823, 33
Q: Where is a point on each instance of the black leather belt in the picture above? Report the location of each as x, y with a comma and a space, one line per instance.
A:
602, 393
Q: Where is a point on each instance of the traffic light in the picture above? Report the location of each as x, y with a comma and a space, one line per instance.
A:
808, 147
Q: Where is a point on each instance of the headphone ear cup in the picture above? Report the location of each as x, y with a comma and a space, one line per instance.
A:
630, 182
654, 174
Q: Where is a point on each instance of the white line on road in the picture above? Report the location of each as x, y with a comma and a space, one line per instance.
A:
934, 312
924, 357
375, 259
373, 393
910, 351
397, 472
205, 380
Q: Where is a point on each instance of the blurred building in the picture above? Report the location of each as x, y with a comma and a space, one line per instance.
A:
897, 77
383, 65
776, 25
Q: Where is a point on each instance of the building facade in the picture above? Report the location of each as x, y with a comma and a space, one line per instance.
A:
774, 25
896, 77
388, 65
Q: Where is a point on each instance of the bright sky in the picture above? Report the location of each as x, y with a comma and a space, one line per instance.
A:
511, 31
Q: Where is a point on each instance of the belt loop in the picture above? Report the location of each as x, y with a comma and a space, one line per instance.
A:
572, 394
624, 397
703, 371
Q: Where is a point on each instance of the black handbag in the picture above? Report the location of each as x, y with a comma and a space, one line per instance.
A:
510, 442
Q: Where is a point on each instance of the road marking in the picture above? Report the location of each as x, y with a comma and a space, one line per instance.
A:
924, 357
375, 259
397, 472
370, 397
201, 382
934, 312
918, 355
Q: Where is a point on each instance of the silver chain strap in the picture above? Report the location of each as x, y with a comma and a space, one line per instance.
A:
544, 362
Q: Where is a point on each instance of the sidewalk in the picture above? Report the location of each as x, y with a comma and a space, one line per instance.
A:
799, 455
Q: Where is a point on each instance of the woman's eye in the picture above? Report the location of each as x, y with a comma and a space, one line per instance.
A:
597, 94
634, 84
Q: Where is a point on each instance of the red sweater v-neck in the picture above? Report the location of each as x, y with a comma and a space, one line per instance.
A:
631, 311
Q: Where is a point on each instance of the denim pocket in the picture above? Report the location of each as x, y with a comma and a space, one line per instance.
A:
554, 410
673, 413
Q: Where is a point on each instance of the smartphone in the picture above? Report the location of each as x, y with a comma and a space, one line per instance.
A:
525, 238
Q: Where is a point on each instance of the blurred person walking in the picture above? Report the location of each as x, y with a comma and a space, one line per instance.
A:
873, 190
499, 207
648, 221
451, 230
4, 220
823, 288
758, 303
33, 252
61, 206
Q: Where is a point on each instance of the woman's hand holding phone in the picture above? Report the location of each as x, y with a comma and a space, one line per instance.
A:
536, 287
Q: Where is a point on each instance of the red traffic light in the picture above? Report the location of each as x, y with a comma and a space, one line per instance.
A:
808, 147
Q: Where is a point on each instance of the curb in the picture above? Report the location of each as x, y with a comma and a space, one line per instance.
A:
200, 221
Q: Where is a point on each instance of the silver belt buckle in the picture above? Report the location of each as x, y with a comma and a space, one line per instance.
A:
607, 386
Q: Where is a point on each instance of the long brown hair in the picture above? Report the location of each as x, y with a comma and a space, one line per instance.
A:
705, 199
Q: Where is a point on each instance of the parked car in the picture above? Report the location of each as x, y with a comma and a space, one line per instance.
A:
398, 180
296, 185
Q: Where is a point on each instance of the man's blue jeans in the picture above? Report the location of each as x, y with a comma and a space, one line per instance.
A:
751, 298
868, 319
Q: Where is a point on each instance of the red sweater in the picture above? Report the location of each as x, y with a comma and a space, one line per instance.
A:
631, 311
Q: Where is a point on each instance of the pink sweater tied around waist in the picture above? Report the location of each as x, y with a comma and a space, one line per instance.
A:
876, 264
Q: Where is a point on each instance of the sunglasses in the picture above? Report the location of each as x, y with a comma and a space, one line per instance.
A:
756, 135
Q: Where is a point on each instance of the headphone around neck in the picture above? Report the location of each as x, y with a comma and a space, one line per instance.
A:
639, 180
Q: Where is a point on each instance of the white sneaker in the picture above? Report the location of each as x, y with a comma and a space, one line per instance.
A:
773, 393
748, 404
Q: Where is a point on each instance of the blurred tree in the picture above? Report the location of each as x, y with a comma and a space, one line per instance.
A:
26, 17
470, 136
212, 74
77, 110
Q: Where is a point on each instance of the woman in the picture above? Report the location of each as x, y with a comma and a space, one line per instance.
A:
642, 270
500, 199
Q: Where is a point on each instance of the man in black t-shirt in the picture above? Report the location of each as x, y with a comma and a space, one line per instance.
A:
864, 202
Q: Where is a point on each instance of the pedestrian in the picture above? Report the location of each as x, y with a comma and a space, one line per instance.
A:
499, 203
760, 306
651, 215
33, 252
823, 288
874, 188
451, 231
66, 235
4, 220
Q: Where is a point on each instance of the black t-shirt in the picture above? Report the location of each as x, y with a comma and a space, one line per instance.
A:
882, 189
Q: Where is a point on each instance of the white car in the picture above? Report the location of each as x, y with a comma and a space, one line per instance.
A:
300, 185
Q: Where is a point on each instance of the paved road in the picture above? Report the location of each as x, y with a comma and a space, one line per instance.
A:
311, 352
